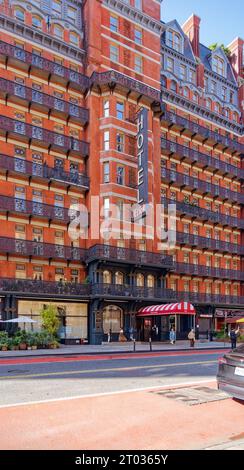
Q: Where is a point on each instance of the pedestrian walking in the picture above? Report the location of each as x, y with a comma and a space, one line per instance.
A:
191, 337
233, 337
172, 335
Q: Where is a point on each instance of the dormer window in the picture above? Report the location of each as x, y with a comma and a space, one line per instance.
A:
174, 40
218, 65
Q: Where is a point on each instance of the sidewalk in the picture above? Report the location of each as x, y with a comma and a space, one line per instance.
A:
116, 348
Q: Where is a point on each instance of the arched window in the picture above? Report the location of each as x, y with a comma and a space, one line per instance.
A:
217, 108
58, 31
174, 40
235, 117
74, 38
195, 97
112, 319
19, 14
150, 280
119, 278
208, 103
226, 112
36, 21
173, 86
107, 278
140, 280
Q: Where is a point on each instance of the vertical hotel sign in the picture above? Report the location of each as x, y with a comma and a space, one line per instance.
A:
142, 155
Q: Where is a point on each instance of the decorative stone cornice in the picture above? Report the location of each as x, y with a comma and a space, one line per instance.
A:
200, 111
40, 38
135, 15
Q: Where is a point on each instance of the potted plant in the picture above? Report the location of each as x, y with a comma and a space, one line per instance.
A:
4, 340
22, 338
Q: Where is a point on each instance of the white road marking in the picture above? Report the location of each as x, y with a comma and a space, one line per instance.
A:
118, 392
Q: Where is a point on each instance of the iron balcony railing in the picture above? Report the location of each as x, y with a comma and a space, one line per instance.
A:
25, 167
48, 138
129, 255
126, 291
29, 286
34, 208
42, 249
61, 73
211, 243
36, 97
212, 299
208, 271
204, 214
199, 157
202, 186
203, 131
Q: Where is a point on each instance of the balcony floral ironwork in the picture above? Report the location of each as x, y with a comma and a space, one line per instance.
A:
20, 165
203, 158
51, 103
209, 243
208, 271
29, 287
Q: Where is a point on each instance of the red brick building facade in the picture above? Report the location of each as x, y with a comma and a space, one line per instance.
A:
74, 75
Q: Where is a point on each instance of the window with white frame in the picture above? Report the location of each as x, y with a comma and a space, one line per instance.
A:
120, 142
182, 72
192, 76
106, 174
170, 64
120, 109
218, 65
114, 53
106, 108
72, 14
120, 174
106, 140
138, 64
138, 36
114, 23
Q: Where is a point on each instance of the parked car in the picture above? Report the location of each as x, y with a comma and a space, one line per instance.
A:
230, 375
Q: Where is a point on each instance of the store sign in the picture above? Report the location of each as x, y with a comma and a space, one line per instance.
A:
142, 156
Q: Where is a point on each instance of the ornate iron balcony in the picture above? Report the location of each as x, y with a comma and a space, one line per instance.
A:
208, 271
202, 186
19, 165
212, 299
29, 286
129, 256
211, 243
61, 73
204, 159
48, 139
195, 128
34, 208
35, 97
42, 249
204, 214
135, 292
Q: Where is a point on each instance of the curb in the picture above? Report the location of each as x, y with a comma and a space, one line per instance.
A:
108, 353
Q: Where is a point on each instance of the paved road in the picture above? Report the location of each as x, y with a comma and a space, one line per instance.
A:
27, 382
116, 403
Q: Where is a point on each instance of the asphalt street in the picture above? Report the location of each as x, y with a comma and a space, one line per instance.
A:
31, 382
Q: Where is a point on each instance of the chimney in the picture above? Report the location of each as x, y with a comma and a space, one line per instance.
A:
192, 28
237, 56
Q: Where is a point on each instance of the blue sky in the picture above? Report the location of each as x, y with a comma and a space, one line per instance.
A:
221, 20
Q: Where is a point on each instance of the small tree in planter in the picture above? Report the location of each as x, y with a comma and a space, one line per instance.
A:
50, 321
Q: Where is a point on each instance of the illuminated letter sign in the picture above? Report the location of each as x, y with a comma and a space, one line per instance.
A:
142, 155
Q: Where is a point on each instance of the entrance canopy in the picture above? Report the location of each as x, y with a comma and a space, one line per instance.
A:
182, 308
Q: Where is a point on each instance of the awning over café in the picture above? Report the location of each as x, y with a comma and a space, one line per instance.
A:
181, 308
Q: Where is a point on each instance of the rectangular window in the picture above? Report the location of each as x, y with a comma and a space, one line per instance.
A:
213, 87
120, 110
224, 93
138, 36
106, 207
138, 4
106, 140
57, 6
106, 108
120, 142
113, 23
114, 53
192, 76
120, 175
106, 172
72, 14
170, 64
182, 72
138, 64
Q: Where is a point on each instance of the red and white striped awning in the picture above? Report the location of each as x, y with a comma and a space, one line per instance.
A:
181, 308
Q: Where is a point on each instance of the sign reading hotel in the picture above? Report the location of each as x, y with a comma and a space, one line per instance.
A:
142, 156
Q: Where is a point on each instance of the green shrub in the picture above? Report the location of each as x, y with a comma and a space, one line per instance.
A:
50, 321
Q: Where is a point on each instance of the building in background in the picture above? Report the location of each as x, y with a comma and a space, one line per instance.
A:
75, 77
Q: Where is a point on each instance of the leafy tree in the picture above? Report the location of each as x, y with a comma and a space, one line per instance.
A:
50, 321
215, 46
